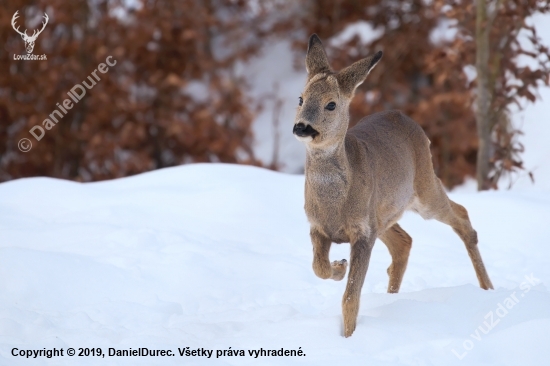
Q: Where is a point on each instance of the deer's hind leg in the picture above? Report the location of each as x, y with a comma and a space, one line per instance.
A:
457, 218
451, 213
399, 244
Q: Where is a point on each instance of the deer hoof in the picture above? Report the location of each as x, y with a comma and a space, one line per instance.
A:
339, 269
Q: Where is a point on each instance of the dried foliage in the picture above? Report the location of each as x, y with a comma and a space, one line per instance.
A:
509, 83
427, 77
175, 95
171, 98
414, 76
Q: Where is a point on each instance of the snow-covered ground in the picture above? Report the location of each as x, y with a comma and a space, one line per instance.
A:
218, 257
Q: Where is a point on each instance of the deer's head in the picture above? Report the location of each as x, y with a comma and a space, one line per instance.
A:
323, 114
29, 40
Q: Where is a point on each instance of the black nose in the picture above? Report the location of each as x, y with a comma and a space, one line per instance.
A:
302, 130
299, 128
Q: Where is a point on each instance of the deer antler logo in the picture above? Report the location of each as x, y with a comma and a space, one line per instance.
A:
29, 40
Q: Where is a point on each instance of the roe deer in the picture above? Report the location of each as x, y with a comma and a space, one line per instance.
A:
359, 182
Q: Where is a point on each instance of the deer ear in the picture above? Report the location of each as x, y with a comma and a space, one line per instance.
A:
316, 59
352, 76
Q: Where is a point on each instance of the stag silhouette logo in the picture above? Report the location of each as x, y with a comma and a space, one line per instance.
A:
29, 40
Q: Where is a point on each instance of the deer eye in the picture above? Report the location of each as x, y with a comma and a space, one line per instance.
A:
300, 101
331, 106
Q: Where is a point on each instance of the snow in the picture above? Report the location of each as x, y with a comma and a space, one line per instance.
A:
198, 90
273, 76
218, 256
361, 29
215, 256
534, 121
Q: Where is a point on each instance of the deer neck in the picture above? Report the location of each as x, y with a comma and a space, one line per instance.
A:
328, 165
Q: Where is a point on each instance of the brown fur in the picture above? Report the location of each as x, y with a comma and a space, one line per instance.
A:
360, 182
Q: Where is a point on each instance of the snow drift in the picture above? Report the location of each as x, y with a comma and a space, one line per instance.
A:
218, 256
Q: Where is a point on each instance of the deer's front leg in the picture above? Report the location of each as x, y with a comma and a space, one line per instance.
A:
361, 249
321, 264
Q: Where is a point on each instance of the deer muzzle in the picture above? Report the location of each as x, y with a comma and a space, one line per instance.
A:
304, 132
